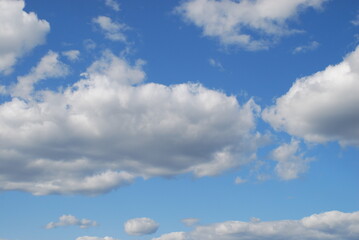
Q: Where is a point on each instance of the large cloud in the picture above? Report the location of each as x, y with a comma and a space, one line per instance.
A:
238, 22
110, 127
19, 32
325, 226
322, 107
140, 226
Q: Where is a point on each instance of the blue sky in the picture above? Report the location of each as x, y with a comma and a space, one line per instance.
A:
179, 120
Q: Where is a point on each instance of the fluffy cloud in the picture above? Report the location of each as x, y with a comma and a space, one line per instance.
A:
110, 127
322, 107
234, 22
20, 32
325, 226
112, 30
69, 220
140, 226
72, 55
190, 221
113, 4
49, 67
95, 238
291, 163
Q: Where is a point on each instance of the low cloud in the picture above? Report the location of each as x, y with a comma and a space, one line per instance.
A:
190, 221
95, 238
113, 4
113, 31
140, 226
321, 107
324, 226
20, 33
252, 25
290, 161
69, 220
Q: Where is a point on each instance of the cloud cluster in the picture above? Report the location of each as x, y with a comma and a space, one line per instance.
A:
110, 127
112, 30
69, 220
321, 107
250, 24
20, 32
324, 226
140, 226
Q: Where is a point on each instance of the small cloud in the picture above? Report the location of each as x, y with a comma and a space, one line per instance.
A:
69, 220
113, 4
305, 48
355, 22
190, 221
291, 162
89, 44
215, 64
112, 30
239, 180
72, 55
140, 226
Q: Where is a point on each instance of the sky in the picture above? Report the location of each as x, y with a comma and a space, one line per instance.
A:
179, 120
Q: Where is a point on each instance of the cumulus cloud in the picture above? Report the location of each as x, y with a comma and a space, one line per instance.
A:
239, 22
140, 226
49, 67
72, 55
190, 221
95, 238
112, 30
324, 226
20, 32
305, 48
69, 220
321, 107
113, 4
291, 162
110, 127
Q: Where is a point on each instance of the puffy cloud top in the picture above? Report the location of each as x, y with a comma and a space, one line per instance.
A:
229, 19
322, 107
141, 226
19, 32
110, 127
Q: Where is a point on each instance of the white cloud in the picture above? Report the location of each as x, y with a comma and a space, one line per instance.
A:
20, 32
215, 64
49, 67
112, 30
305, 48
113, 4
85, 139
69, 220
72, 55
325, 226
173, 236
234, 22
95, 238
355, 22
89, 44
239, 180
291, 163
322, 107
190, 221
140, 226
